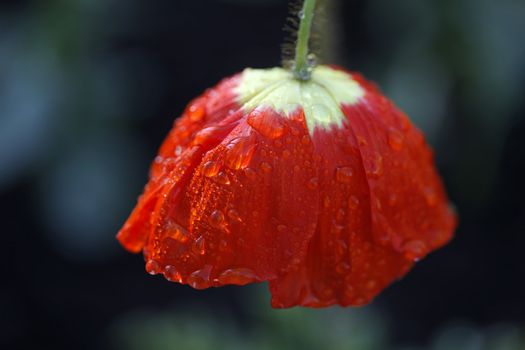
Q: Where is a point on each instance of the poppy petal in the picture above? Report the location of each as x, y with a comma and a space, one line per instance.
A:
343, 265
248, 210
202, 111
408, 203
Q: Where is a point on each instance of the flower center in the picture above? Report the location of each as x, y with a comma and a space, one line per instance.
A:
320, 97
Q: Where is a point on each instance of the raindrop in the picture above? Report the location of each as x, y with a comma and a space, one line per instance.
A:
342, 268
313, 183
239, 152
340, 214
199, 246
376, 165
267, 122
281, 228
342, 247
344, 174
196, 112
305, 140
175, 231
430, 196
286, 154
337, 229
217, 218
152, 267
204, 135
362, 141
312, 60
395, 140
371, 284
250, 173
223, 244
171, 274
349, 290
237, 276
200, 278
222, 178
353, 202
210, 168
234, 215
266, 167
414, 250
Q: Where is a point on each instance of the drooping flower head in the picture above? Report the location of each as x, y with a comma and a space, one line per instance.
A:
321, 187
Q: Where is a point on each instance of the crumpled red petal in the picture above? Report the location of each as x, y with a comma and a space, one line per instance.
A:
344, 265
327, 218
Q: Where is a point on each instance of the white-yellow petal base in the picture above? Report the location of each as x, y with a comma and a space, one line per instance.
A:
320, 97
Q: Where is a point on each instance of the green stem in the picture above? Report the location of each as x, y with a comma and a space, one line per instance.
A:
301, 67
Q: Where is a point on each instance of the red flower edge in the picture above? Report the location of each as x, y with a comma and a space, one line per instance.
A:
327, 216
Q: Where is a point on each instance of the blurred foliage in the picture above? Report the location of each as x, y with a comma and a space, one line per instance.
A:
298, 328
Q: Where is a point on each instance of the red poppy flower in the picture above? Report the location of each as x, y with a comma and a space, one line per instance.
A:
323, 188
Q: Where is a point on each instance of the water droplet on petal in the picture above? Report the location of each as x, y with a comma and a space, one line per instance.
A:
238, 276
353, 202
342, 247
281, 228
200, 279
204, 135
171, 274
349, 290
267, 122
395, 140
234, 215
266, 167
199, 246
371, 284
305, 140
175, 231
250, 173
222, 178
152, 267
196, 112
217, 218
414, 250
239, 152
342, 268
376, 165
430, 196
344, 174
286, 154
313, 183
223, 244
362, 141
210, 168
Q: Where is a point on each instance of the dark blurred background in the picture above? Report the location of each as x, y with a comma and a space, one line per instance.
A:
88, 90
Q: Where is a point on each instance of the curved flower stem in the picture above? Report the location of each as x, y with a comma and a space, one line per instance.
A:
301, 67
